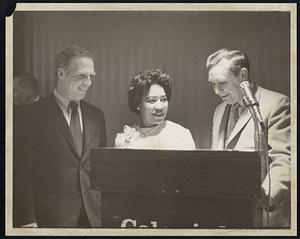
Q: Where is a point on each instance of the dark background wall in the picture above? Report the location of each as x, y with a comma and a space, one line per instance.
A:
125, 43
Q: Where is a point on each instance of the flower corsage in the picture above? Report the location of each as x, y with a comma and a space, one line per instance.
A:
127, 138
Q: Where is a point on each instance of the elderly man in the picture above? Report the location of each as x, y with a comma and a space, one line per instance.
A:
62, 128
233, 127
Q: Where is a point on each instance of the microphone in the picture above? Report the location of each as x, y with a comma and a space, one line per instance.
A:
250, 100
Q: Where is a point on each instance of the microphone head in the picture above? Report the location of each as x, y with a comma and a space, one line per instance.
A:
244, 84
246, 101
246, 89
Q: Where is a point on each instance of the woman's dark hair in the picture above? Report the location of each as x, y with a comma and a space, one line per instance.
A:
140, 85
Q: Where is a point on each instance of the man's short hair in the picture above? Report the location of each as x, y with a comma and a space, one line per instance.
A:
239, 59
28, 81
65, 56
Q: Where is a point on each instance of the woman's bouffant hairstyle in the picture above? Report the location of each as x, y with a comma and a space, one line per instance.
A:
140, 85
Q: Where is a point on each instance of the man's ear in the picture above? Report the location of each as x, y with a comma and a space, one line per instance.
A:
244, 74
60, 73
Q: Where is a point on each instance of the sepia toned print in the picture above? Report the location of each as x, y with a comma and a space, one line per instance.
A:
124, 40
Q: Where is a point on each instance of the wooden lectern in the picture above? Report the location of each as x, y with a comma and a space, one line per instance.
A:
177, 188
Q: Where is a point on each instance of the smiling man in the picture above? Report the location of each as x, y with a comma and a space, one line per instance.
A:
233, 127
62, 128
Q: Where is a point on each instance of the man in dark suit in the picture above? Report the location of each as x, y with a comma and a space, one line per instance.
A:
233, 128
25, 92
25, 89
62, 128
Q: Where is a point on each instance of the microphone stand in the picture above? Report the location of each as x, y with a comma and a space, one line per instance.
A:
260, 145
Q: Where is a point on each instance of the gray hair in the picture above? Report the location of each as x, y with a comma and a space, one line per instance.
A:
238, 59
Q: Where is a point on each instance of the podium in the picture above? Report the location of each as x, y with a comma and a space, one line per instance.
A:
177, 188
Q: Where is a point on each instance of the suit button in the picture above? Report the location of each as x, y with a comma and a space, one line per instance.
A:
79, 193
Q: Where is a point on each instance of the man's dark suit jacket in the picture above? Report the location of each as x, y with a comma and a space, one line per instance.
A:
21, 169
57, 181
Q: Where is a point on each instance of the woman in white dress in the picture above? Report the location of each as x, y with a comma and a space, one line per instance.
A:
149, 95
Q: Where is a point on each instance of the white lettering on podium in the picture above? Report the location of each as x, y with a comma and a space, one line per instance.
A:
154, 224
128, 222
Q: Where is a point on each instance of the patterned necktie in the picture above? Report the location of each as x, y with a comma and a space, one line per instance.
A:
233, 118
75, 127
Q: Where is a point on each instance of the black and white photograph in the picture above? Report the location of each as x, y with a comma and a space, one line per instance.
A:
151, 119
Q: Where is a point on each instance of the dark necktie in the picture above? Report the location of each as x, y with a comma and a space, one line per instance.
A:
75, 126
233, 118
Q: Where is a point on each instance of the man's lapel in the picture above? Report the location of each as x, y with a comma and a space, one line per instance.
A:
56, 117
240, 124
244, 118
221, 123
87, 129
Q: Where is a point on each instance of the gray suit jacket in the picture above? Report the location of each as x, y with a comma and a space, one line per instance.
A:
275, 111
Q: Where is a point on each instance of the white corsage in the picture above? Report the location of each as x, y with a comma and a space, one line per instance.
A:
127, 138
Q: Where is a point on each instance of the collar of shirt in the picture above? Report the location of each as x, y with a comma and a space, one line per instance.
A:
239, 106
63, 104
36, 99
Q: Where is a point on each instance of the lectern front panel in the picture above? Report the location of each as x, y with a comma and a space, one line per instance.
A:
176, 189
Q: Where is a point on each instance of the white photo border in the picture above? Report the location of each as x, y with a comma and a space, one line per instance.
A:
289, 7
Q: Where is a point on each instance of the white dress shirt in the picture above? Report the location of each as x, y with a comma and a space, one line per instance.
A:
63, 104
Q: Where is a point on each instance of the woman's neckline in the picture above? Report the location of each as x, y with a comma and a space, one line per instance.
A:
147, 131
147, 127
